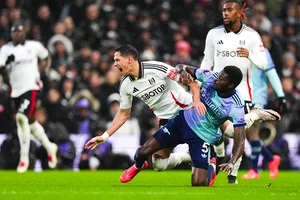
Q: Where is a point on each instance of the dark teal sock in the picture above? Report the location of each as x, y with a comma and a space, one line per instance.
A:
256, 149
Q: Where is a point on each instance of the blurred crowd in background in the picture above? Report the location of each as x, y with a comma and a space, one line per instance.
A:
80, 92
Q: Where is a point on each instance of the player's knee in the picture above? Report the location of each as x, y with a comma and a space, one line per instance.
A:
200, 182
21, 119
159, 164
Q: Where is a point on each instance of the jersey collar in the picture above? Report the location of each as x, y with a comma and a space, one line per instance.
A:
238, 31
141, 73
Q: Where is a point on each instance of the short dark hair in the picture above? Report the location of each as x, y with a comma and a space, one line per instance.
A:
234, 74
128, 50
238, 2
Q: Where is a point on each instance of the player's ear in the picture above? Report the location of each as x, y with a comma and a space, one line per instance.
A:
231, 85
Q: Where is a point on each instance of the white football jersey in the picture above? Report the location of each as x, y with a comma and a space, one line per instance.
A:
23, 71
156, 87
220, 51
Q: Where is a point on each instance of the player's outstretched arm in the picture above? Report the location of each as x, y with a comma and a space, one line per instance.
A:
237, 150
121, 117
189, 69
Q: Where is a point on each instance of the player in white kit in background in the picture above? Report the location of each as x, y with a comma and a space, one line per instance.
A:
234, 43
21, 60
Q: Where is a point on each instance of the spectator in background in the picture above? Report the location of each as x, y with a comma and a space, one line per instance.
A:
183, 54
74, 33
93, 26
56, 110
84, 122
44, 21
58, 134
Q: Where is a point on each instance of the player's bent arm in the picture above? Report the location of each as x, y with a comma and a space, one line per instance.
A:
239, 144
189, 69
257, 54
208, 60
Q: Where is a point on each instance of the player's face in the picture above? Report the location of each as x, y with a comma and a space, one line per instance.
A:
231, 13
18, 36
222, 82
122, 63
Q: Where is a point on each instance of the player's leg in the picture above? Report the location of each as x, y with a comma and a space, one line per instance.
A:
22, 103
160, 140
203, 171
23, 130
165, 159
39, 133
256, 146
273, 160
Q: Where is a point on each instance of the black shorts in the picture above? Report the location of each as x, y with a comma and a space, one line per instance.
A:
248, 106
26, 103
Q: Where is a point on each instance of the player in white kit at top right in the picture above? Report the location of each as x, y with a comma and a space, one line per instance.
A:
20, 59
234, 43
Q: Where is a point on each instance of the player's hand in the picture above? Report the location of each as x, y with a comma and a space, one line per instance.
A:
94, 142
243, 52
199, 106
226, 167
185, 78
10, 58
281, 104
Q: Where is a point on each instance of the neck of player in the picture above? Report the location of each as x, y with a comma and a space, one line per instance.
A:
225, 94
234, 27
135, 70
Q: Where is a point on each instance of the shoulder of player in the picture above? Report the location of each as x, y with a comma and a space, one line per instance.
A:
155, 66
33, 42
7, 46
237, 99
249, 30
124, 82
217, 29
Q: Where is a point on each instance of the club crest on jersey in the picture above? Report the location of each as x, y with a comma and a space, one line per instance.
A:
152, 81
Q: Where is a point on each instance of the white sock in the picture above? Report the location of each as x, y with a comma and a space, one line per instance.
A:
24, 136
220, 150
171, 162
177, 158
236, 167
250, 118
39, 133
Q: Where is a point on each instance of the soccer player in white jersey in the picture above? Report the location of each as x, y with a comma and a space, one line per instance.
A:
234, 43
21, 60
153, 82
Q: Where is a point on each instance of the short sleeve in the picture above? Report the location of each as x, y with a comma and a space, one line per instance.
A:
125, 97
3, 57
237, 115
42, 52
202, 74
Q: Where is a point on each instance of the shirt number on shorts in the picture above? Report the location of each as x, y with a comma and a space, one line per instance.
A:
205, 147
24, 105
